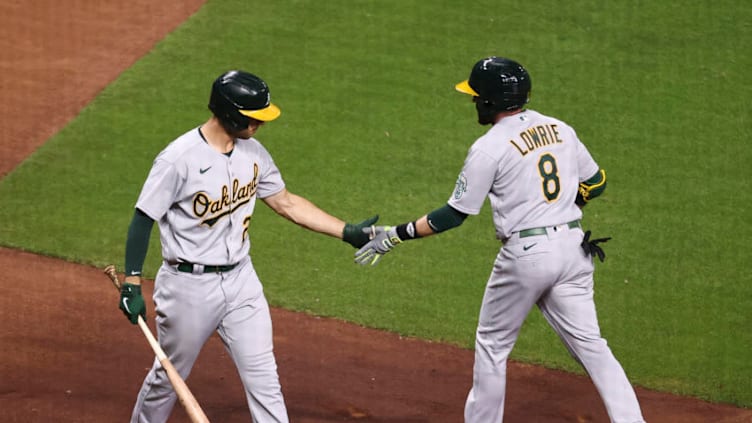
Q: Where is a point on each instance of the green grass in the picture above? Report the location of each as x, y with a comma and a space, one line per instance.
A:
371, 124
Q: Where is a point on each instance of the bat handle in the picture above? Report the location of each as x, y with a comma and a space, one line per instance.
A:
112, 273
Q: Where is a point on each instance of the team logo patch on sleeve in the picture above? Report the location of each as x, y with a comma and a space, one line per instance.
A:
460, 186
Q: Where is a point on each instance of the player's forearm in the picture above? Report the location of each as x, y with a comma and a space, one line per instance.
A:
413, 230
439, 220
422, 228
306, 214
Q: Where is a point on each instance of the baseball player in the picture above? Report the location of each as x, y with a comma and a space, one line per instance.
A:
202, 190
537, 175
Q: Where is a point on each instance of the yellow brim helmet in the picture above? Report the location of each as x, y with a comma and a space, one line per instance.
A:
238, 96
464, 87
266, 114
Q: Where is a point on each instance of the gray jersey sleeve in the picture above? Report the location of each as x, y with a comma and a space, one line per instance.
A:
586, 165
271, 181
159, 190
474, 182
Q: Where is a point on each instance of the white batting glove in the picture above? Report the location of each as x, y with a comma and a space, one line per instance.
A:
383, 239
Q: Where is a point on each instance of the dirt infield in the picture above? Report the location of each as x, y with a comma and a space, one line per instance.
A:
68, 355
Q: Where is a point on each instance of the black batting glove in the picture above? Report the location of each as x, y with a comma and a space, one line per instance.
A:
591, 247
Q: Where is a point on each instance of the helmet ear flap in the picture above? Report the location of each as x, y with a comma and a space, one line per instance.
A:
230, 118
236, 121
486, 109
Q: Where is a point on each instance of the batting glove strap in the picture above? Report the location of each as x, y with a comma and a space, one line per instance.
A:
386, 238
383, 239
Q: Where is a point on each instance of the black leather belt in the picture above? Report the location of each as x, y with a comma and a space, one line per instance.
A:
542, 231
188, 268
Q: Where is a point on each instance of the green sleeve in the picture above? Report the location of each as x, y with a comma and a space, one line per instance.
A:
439, 220
445, 218
137, 243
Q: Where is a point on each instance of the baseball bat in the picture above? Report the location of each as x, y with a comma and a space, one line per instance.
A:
186, 398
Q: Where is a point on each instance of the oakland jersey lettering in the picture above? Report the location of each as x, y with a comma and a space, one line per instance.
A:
211, 210
535, 137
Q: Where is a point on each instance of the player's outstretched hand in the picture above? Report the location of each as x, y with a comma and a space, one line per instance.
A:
356, 234
132, 302
382, 240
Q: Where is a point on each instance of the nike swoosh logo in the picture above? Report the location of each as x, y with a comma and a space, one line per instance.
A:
125, 304
202, 171
527, 247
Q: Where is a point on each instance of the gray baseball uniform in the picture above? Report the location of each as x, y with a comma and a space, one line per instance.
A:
530, 165
536, 173
203, 201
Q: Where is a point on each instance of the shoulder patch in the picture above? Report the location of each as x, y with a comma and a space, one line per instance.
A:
460, 186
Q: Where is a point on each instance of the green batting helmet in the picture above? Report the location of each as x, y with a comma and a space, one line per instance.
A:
498, 84
238, 96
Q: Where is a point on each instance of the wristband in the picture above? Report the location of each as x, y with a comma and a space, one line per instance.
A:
407, 231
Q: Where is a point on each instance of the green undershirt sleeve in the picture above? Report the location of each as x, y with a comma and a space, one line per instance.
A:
439, 220
445, 218
137, 243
